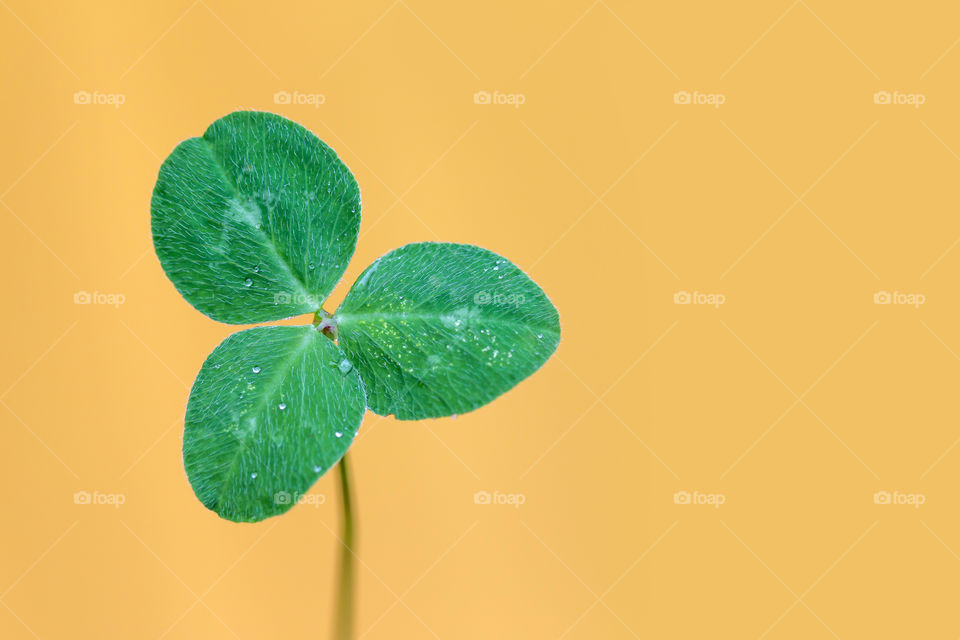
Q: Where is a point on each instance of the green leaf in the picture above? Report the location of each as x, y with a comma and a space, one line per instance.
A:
440, 329
272, 409
256, 220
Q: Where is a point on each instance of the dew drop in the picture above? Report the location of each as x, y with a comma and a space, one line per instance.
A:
317, 468
248, 282
256, 369
345, 366
253, 476
338, 434
282, 406
311, 266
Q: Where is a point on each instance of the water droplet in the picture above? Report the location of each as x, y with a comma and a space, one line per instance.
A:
496, 268
248, 282
311, 266
253, 476
256, 369
317, 468
282, 406
338, 434
345, 366
256, 269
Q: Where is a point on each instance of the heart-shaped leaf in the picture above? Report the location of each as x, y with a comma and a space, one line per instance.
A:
256, 220
439, 329
272, 409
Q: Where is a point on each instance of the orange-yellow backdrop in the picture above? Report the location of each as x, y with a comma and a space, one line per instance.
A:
776, 458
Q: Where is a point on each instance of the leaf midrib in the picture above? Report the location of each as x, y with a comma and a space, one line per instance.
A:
379, 315
259, 405
268, 239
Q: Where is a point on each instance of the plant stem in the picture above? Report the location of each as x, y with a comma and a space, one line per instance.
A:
344, 621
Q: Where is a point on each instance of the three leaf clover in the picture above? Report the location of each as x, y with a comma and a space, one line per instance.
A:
256, 221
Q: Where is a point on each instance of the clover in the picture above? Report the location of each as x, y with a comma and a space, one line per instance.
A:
256, 221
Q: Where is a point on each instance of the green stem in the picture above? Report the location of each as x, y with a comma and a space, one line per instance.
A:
344, 622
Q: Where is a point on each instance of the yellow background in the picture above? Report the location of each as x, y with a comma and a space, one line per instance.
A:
794, 402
